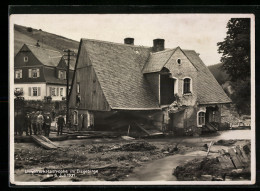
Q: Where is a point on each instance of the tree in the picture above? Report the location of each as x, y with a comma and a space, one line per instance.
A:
235, 49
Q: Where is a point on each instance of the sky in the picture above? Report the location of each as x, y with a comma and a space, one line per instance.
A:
199, 32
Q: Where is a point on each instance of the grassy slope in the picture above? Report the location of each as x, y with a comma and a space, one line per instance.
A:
59, 43
46, 40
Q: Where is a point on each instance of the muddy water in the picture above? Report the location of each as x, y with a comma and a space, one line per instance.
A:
234, 134
161, 170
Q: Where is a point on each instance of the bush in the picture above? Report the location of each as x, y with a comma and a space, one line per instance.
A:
29, 29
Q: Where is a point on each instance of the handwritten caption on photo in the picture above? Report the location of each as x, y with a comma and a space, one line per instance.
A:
61, 172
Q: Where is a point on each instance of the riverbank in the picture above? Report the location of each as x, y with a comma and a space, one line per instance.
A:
106, 159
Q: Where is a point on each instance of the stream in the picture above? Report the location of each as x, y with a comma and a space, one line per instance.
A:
162, 169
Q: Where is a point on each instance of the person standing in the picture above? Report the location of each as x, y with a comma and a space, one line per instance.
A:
28, 124
47, 124
40, 121
61, 123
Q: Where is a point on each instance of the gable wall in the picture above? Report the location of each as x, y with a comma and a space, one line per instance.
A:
92, 97
19, 58
185, 69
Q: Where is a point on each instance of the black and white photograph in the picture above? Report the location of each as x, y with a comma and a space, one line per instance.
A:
132, 99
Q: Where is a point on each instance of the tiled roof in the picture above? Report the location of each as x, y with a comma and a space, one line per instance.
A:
45, 56
118, 69
209, 90
157, 60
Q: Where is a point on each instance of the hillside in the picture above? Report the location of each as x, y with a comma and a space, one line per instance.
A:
47, 40
220, 75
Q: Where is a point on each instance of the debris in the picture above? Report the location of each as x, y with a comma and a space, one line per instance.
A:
43, 142
225, 142
206, 177
127, 138
138, 146
211, 143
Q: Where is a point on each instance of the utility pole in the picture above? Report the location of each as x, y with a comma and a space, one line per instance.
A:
68, 54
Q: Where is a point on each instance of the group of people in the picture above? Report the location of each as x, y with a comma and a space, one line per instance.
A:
36, 123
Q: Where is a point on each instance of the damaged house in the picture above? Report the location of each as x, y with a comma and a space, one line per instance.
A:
124, 86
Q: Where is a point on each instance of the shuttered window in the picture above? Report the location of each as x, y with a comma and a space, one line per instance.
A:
61, 91
39, 91
30, 73
34, 73
18, 74
57, 91
30, 91
187, 85
34, 91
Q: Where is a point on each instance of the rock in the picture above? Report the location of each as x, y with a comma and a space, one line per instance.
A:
166, 152
206, 177
237, 170
217, 179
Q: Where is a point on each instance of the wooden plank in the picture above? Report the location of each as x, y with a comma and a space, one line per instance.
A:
243, 158
47, 140
43, 143
234, 158
222, 162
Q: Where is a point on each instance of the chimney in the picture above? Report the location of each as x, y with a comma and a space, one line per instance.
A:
129, 41
158, 44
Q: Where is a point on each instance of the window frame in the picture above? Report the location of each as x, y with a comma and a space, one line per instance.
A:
18, 72
25, 59
190, 86
33, 71
61, 91
201, 120
33, 88
178, 59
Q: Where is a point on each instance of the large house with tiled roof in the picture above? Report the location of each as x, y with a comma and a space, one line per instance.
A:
40, 72
143, 85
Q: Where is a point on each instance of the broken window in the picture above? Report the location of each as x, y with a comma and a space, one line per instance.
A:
201, 118
186, 85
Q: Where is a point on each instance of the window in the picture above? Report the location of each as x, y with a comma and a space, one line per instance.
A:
62, 74
53, 92
34, 91
25, 59
186, 85
179, 61
61, 91
75, 118
34, 73
78, 88
201, 118
18, 74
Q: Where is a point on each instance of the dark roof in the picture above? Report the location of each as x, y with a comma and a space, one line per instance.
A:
209, 90
51, 77
46, 56
118, 69
157, 60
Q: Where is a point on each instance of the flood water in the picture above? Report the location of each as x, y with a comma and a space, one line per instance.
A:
161, 170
